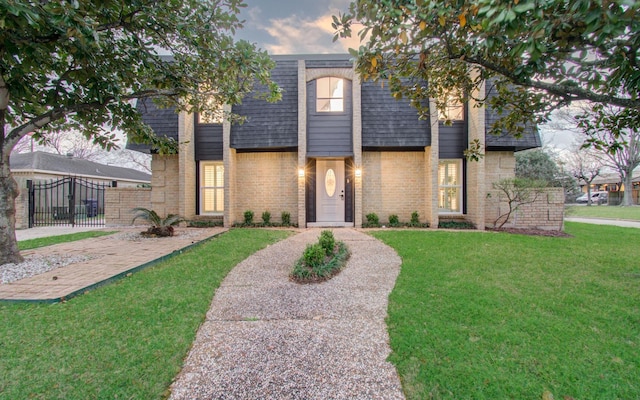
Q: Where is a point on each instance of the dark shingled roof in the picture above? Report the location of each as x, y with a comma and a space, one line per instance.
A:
63, 165
530, 138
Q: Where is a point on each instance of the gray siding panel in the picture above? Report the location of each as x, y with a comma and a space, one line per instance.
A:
452, 140
163, 121
390, 123
208, 142
270, 125
329, 134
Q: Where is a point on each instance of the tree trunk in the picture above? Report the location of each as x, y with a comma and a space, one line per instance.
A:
627, 198
9, 252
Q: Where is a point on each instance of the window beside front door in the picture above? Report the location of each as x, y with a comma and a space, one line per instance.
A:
211, 188
330, 94
450, 186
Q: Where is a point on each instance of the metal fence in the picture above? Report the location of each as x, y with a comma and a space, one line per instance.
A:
67, 201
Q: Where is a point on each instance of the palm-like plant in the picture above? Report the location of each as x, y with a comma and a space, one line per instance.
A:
159, 226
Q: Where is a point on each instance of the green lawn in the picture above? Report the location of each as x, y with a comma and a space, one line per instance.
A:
496, 316
615, 212
126, 340
51, 240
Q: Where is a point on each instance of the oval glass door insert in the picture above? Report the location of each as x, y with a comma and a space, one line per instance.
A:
330, 182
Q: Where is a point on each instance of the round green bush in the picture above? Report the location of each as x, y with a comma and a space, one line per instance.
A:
313, 255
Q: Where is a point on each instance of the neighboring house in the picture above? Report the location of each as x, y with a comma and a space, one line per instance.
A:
332, 151
611, 183
50, 194
42, 166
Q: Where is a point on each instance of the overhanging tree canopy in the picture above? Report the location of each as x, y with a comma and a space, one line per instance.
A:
566, 50
79, 63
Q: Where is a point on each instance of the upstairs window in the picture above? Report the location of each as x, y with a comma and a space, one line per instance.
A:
214, 116
453, 110
330, 95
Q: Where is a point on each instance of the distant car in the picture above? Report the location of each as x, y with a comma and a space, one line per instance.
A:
596, 198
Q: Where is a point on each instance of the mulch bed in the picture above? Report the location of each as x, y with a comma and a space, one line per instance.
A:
530, 232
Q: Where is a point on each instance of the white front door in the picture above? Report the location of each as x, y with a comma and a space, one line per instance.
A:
330, 190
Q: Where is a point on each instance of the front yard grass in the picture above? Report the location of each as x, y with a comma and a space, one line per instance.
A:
51, 240
496, 316
595, 211
126, 340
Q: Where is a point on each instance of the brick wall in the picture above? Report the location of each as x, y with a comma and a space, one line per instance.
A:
165, 188
120, 201
266, 182
546, 213
394, 183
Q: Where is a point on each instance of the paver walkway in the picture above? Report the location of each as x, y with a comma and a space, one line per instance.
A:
268, 338
111, 256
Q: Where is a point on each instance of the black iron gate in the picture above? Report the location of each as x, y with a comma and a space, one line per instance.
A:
67, 201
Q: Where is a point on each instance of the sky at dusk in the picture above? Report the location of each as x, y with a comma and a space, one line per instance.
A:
304, 27
294, 26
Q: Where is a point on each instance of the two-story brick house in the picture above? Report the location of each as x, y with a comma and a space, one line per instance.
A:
332, 151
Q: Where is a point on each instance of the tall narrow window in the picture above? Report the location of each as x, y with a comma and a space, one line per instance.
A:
450, 186
211, 188
213, 116
329, 95
453, 110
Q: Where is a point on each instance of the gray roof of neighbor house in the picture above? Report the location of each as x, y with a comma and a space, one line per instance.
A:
64, 165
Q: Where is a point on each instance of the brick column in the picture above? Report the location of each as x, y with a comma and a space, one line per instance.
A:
164, 184
302, 143
357, 146
187, 166
432, 158
229, 158
476, 193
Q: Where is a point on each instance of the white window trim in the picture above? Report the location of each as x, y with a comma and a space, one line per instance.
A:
459, 186
202, 187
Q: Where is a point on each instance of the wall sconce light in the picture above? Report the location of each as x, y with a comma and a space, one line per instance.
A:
358, 172
301, 172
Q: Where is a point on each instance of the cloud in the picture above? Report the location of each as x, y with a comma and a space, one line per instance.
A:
295, 35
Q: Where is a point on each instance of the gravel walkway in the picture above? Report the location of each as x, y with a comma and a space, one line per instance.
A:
268, 338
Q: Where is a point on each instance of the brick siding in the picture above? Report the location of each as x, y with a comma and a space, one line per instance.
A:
266, 182
120, 201
394, 183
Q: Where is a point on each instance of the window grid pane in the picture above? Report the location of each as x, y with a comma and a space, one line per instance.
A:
329, 94
450, 189
212, 188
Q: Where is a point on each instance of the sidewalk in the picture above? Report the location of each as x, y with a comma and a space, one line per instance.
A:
604, 221
112, 257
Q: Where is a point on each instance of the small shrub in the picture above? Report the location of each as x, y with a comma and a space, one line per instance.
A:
204, 224
415, 219
248, 217
329, 267
286, 218
394, 220
327, 242
266, 218
313, 256
452, 224
372, 219
158, 226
